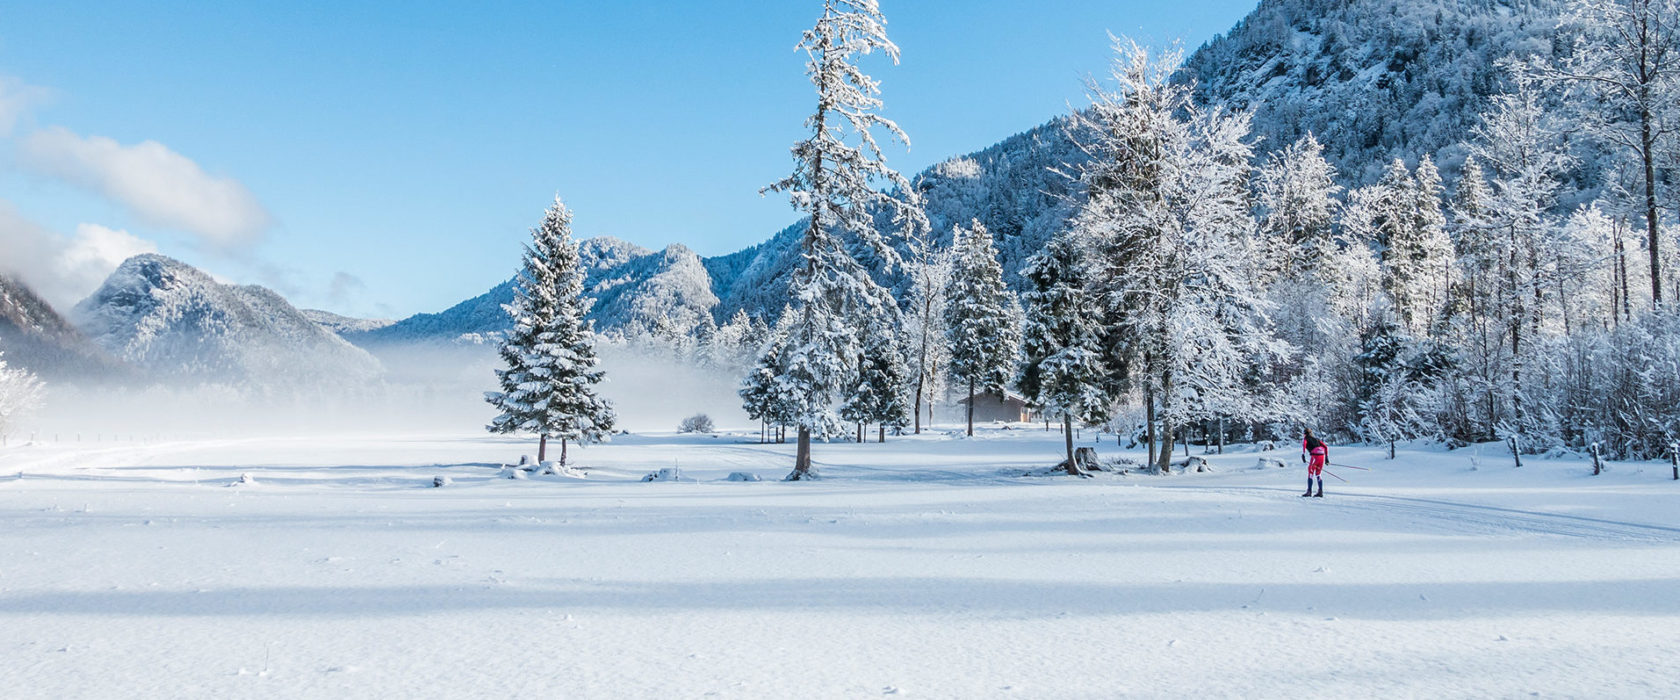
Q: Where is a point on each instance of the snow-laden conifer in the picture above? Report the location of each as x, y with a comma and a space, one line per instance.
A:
761, 392
1061, 366
982, 317
1417, 255
837, 170
878, 393
1297, 199
549, 385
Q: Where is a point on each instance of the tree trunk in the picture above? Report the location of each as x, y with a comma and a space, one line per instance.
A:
881, 433
971, 408
1149, 420
542, 449
1621, 259
1165, 463
1648, 155
1221, 435
1067, 438
562, 452
860, 432
917, 410
802, 457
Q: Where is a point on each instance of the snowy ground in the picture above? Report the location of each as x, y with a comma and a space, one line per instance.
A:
925, 567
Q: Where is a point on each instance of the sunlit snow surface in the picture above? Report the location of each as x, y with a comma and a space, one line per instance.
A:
925, 567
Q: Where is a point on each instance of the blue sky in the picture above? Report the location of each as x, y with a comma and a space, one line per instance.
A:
386, 158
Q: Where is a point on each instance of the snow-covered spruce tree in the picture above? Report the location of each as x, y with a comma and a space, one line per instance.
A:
1417, 255
837, 169
1624, 71
878, 394
760, 390
1061, 366
982, 317
20, 393
548, 387
1170, 232
1297, 197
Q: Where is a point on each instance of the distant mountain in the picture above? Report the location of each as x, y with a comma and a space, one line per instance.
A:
34, 336
635, 289
1374, 81
334, 323
175, 322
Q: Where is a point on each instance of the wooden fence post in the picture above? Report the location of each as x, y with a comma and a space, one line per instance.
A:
1598, 463
1512, 441
1674, 458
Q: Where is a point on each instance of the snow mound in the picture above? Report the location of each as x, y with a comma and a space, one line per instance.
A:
743, 476
667, 474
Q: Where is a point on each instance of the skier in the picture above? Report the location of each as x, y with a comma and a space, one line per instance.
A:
1319, 453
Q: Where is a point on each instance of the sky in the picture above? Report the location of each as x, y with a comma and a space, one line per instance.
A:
380, 159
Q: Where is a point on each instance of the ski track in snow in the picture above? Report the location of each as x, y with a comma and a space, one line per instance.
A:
1471, 518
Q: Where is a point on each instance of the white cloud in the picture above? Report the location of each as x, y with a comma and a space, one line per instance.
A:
158, 185
63, 269
16, 99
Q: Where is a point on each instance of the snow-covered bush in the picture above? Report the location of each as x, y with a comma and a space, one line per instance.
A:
697, 423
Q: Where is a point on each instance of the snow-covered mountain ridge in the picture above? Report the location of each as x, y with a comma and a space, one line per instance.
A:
35, 336
635, 290
175, 321
1374, 81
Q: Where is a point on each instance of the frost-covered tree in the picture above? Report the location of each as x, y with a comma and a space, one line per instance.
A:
836, 170
982, 317
878, 394
20, 393
549, 385
1297, 197
1624, 71
761, 390
928, 268
1061, 366
1524, 152
1418, 255
1170, 233
1297, 201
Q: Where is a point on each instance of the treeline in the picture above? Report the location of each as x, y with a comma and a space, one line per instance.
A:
1195, 288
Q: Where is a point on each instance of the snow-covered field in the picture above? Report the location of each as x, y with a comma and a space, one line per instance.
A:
926, 567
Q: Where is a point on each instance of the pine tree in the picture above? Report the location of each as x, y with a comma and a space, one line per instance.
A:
836, 168
981, 317
761, 393
1418, 257
878, 393
1061, 368
1297, 193
548, 387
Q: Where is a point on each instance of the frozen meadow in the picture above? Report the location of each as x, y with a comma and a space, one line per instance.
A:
928, 566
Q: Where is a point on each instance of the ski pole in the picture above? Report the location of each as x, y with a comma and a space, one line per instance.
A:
1349, 466
1331, 473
